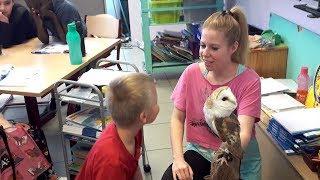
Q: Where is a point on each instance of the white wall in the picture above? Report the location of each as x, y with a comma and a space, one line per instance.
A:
258, 12
136, 23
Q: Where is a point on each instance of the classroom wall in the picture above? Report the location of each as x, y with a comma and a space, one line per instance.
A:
303, 45
284, 19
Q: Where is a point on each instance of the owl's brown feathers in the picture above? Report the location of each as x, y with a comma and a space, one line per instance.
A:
218, 110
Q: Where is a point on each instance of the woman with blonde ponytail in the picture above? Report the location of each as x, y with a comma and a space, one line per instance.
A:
223, 53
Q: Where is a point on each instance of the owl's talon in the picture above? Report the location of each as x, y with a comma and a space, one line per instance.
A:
222, 160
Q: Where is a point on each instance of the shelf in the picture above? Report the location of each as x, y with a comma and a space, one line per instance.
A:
170, 66
181, 8
162, 67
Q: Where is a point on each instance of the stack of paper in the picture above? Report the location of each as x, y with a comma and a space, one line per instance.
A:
105, 76
299, 120
271, 86
280, 102
295, 129
20, 77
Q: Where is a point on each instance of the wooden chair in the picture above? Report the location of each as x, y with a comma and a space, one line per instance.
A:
105, 26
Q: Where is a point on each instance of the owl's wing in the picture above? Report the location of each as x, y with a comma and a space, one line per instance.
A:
231, 135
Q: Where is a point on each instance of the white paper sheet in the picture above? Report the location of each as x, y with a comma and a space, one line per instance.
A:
100, 77
269, 86
278, 102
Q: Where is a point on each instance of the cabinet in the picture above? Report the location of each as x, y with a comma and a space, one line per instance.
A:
174, 66
269, 62
72, 92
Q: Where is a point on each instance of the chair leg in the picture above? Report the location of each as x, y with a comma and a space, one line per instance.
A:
118, 56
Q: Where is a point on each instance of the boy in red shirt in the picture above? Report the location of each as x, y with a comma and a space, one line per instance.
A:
132, 102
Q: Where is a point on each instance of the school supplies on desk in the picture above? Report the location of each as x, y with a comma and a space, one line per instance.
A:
53, 48
5, 70
271, 86
19, 76
105, 76
299, 120
280, 102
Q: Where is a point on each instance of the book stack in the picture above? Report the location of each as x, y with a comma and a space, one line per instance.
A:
86, 123
295, 129
171, 46
79, 153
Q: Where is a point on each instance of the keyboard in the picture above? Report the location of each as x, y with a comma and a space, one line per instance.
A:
305, 7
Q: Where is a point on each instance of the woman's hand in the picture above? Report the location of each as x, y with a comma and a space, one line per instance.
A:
4, 18
181, 169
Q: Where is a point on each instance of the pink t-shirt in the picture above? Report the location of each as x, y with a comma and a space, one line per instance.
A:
192, 91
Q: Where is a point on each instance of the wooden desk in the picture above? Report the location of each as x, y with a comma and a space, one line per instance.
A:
269, 62
53, 66
275, 163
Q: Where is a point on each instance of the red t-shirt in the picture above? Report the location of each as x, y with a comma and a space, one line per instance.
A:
109, 158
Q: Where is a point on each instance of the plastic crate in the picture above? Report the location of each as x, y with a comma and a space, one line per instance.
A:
163, 17
198, 15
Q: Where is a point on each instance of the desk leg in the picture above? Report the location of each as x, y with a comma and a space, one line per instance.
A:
35, 119
32, 111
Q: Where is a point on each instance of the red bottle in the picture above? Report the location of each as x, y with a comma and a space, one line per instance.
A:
303, 85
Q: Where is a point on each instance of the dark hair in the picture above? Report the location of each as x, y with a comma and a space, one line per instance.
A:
234, 25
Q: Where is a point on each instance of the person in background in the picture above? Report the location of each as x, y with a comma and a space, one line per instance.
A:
16, 24
132, 102
52, 17
223, 50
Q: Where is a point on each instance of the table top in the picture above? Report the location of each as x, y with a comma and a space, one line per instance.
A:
295, 160
53, 67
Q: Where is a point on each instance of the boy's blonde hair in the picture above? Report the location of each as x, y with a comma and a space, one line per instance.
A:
234, 25
129, 96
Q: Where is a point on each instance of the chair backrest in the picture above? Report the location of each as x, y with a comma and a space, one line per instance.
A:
103, 25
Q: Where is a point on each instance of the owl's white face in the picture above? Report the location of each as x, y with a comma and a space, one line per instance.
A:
225, 103
221, 103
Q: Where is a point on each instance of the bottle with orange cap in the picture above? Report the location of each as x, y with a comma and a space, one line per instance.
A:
303, 85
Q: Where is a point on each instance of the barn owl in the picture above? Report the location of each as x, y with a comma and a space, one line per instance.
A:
218, 110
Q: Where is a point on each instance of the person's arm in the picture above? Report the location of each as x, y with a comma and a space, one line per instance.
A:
180, 167
59, 28
42, 32
5, 31
246, 127
137, 174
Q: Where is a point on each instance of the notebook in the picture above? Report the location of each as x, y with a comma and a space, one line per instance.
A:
299, 121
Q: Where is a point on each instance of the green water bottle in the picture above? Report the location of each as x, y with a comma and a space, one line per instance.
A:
74, 43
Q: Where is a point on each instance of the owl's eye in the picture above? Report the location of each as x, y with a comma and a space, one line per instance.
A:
224, 98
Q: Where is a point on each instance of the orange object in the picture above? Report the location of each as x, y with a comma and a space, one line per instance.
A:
302, 96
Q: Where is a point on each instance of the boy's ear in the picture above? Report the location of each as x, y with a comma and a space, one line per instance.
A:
143, 117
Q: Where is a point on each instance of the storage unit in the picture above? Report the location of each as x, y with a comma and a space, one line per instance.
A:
83, 142
269, 62
148, 11
195, 15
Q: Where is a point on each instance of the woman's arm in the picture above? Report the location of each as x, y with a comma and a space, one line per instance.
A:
246, 128
180, 168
